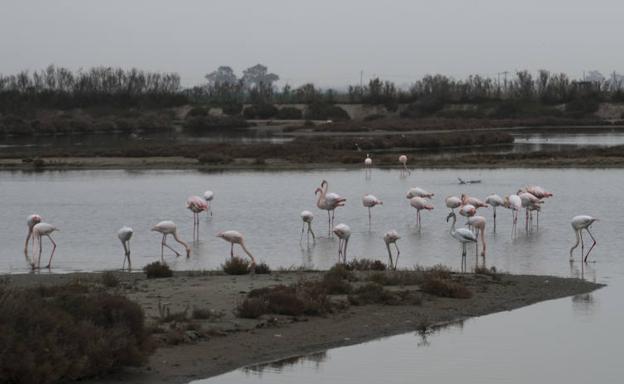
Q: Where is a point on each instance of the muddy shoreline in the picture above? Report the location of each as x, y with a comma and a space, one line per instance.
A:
229, 342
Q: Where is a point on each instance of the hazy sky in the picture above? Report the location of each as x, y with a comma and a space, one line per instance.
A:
323, 41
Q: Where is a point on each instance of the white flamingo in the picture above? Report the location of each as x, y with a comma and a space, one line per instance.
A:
124, 235
494, 201
514, 203
478, 223
418, 192
208, 196
452, 202
31, 221
307, 217
369, 201
235, 237
580, 223
40, 230
329, 201
167, 228
391, 237
527, 200
343, 232
462, 235
403, 160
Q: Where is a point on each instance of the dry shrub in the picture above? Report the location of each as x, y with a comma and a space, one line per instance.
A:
236, 266
372, 293
49, 336
262, 269
251, 308
482, 270
157, 270
366, 265
396, 278
305, 298
109, 280
206, 314
445, 288
438, 271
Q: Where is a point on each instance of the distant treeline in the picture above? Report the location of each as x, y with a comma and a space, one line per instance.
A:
523, 93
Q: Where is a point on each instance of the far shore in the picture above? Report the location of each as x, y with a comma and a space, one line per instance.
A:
227, 342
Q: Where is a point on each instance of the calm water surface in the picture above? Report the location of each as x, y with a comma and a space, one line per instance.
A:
571, 340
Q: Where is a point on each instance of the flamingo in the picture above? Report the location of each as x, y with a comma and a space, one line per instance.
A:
124, 235
368, 162
418, 192
167, 228
478, 223
329, 202
580, 223
31, 221
197, 205
477, 203
208, 196
468, 211
391, 237
514, 203
537, 208
404, 170
343, 232
494, 201
307, 218
235, 237
452, 202
537, 191
369, 201
463, 235
40, 230
527, 200
419, 203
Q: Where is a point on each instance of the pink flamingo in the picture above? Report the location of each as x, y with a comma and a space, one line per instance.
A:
468, 210
478, 223
403, 160
494, 201
124, 235
40, 230
452, 202
31, 221
418, 192
527, 200
307, 218
391, 237
472, 201
580, 223
537, 191
419, 203
343, 232
369, 201
167, 228
329, 202
514, 203
235, 237
197, 205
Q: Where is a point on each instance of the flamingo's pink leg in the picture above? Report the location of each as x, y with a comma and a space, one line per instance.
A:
593, 245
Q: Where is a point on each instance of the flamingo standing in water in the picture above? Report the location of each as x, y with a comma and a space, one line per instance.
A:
403, 160
419, 203
452, 202
31, 221
369, 201
307, 218
494, 201
167, 228
235, 237
580, 223
208, 196
197, 205
343, 232
478, 223
329, 202
463, 235
368, 162
527, 200
391, 237
514, 203
40, 230
124, 235
477, 203
537, 191
418, 192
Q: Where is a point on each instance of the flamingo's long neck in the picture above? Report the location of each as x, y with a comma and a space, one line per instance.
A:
253, 260
452, 230
30, 231
578, 240
186, 246
389, 252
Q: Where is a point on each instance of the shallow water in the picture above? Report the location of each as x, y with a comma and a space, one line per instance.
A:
89, 207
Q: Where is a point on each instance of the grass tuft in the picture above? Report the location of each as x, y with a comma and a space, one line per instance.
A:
236, 266
157, 270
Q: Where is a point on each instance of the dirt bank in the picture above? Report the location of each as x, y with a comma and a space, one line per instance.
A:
220, 341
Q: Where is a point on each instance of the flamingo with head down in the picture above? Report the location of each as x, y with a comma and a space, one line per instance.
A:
124, 235
40, 230
391, 237
343, 232
167, 228
307, 217
478, 223
403, 160
235, 237
580, 223
31, 221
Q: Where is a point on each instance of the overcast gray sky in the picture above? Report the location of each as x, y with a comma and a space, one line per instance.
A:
322, 41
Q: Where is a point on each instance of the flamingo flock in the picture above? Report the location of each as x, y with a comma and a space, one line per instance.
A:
531, 198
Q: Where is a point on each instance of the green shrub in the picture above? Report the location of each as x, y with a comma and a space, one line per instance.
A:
289, 113
197, 125
260, 111
236, 266
232, 109
157, 270
65, 336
